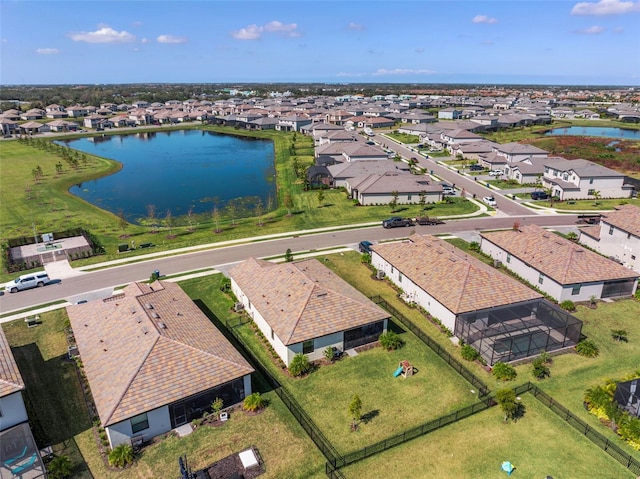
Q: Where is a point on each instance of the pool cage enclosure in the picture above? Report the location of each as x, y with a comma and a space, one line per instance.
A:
517, 331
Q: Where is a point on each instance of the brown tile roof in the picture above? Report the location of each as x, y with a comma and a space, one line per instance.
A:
150, 347
10, 379
460, 282
558, 258
626, 218
593, 231
303, 300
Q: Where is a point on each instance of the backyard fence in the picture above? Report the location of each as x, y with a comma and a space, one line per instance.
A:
579, 425
305, 421
483, 389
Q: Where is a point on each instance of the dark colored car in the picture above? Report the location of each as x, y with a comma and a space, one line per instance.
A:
539, 195
365, 246
476, 167
396, 221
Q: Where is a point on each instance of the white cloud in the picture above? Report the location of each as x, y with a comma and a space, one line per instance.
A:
484, 19
171, 39
350, 75
144, 40
605, 7
47, 51
594, 30
402, 71
104, 34
254, 32
355, 26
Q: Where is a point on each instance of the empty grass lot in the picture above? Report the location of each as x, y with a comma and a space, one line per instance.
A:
538, 445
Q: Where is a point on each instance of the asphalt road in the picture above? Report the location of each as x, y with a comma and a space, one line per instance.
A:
120, 275
505, 205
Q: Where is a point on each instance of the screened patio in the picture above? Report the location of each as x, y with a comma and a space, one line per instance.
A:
518, 331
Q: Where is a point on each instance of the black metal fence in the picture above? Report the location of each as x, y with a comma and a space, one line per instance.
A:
578, 424
482, 388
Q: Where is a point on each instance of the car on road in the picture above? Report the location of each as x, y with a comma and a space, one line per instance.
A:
489, 200
27, 281
539, 195
397, 221
365, 246
496, 173
476, 167
448, 191
370, 142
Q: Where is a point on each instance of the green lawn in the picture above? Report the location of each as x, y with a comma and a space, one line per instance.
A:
394, 404
538, 445
404, 138
584, 205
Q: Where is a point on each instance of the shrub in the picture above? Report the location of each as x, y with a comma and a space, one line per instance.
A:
299, 365
568, 305
328, 353
504, 372
59, 468
474, 246
469, 353
545, 357
540, 370
254, 402
511, 407
587, 348
121, 455
619, 335
216, 407
390, 340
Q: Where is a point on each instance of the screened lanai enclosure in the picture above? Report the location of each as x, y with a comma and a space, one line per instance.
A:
518, 331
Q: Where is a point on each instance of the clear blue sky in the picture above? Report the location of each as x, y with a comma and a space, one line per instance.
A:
110, 41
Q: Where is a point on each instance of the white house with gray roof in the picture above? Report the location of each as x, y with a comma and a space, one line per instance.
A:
581, 179
378, 189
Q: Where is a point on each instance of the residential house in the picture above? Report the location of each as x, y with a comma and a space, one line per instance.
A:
357, 151
528, 171
8, 126
449, 114
62, 125
381, 189
514, 152
617, 236
33, 127
293, 122
457, 137
499, 316
342, 172
77, 111
19, 454
472, 150
561, 268
33, 114
581, 179
304, 307
154, 361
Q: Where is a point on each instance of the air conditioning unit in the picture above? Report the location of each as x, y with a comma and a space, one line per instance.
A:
497, 263
380, 274
237, 307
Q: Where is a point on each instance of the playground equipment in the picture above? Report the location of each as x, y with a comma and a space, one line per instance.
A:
405, 368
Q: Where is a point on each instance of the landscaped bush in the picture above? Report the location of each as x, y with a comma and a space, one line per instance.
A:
568, 305
587, 348
59, 468
254, 402
299, 365
540, 369
504, 372
469, 353
390, 340
121, 455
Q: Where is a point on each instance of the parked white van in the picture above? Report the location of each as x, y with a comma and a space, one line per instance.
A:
26, 281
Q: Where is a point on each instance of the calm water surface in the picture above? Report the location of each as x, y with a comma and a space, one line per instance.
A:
179, 170
605, 132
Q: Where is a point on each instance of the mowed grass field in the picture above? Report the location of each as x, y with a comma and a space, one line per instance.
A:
538, 445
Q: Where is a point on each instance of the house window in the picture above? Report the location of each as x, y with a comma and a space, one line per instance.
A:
399, 277
272, 335
575, 290
307, 347
591, 192
546, 169
628, 235
540, 278
409, 197
590, 181
565, 177
508, 257
392, 270
611, 230
139, 423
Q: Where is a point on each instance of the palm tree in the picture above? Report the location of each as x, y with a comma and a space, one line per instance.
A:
596, 197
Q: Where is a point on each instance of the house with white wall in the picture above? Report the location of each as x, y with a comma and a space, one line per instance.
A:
581, 179
379, 189
154, 361
561, 268
514, 152
12, 410
617, 236
304, 307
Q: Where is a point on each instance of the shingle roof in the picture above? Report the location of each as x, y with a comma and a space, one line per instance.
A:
626, 218
10, 379
558, 258
150, 347
460, 282
303, 300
